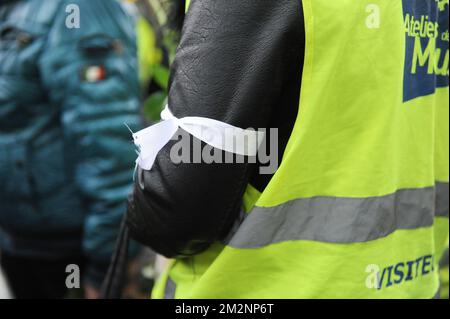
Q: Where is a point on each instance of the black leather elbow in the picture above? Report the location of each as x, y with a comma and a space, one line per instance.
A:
146, 230
180, 214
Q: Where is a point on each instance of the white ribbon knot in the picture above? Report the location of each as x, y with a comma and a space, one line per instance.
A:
217, 134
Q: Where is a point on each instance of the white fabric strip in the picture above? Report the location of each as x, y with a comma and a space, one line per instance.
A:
217, 134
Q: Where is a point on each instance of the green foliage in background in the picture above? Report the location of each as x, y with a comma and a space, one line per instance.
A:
168, 39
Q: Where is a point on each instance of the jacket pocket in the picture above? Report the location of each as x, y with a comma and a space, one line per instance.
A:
47, 167
17, 183
13, 37
21, 44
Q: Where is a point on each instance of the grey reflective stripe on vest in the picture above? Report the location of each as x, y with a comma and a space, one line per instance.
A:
442, 198
340, 220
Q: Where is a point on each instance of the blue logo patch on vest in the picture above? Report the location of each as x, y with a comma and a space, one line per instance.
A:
427, 55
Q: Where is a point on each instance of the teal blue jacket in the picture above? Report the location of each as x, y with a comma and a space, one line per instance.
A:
68, 83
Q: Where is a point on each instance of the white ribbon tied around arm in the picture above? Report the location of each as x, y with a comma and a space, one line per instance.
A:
217, 134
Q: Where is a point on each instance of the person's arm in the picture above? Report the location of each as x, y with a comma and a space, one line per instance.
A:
231, 65
91, 75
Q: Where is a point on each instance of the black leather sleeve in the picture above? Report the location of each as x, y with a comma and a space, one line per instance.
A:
238, 62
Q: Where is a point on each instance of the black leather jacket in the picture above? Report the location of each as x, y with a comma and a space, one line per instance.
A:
239, 62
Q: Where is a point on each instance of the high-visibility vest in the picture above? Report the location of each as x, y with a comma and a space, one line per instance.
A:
443, 274
359, 206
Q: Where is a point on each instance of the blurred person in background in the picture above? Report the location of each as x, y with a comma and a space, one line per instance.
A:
68, 83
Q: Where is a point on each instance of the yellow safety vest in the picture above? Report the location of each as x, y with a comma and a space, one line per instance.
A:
359, 206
